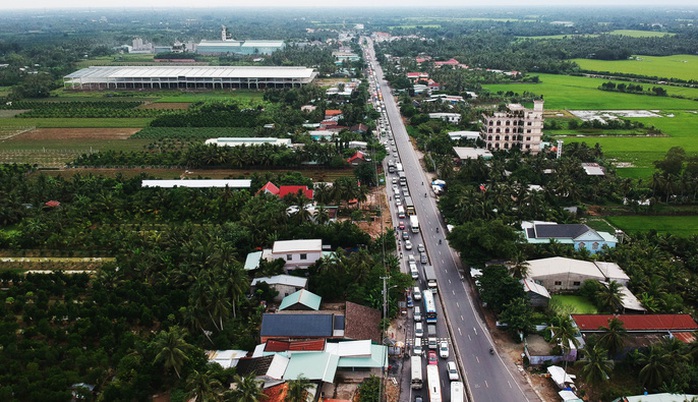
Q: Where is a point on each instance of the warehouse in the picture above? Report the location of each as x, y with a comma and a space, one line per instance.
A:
187, 77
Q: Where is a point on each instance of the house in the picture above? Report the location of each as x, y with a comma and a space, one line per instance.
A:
360, 128
464, 135
450, 62
313, 345
267, 369
297, 254
333, 114
667, 324
358, 145
357, 159
580, 236
282, 191
289, 326
301, 300
284, 284
560, 377
447, 117
537, 294
248, 141
433, 85
559, 273
225, 358
197, 183
269, 188
665, 397
593, 169
315, 366
362, 322
452, 99
465, 153
417, 76
515, 127
322, 135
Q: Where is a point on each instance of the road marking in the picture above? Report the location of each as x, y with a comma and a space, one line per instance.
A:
460, 333
458, 305
454, 292
469, 338
509, 383
487, 385
475, 330
461, 317
477, 359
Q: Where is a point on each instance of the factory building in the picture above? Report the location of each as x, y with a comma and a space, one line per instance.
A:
243, 47
187, 77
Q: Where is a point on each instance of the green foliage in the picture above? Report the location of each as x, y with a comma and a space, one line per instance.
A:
479, 241
518, 315
498, 289
192, 133
369, 389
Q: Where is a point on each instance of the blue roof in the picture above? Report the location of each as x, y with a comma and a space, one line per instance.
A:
297, 325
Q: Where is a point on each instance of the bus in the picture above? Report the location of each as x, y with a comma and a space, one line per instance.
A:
457, 394
416, 372
409, 206
429, 306
434, 383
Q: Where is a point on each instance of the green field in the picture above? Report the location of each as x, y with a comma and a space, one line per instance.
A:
679, 66
73, 123
57, 153
676, 225
573, 304
582, 93
238, 95
640, 34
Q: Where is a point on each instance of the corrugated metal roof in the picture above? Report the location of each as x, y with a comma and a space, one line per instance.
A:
315, 366
303, 297
557, 265
290, 246
297, 325
638, 323
288, 280
378, 358
105, 72
198, 183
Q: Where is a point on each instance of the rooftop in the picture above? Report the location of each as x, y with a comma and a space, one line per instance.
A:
289, 280
290, 246
116, 72
637, 323
555, 265
362, 322
302, 299
297, 325
472, 153
197, 183
315, 366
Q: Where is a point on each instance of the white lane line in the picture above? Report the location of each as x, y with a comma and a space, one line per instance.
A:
458, 305
475, 330
454, 292
486, 384
460, 333
461, 318
469, 338
477, 359
509, 383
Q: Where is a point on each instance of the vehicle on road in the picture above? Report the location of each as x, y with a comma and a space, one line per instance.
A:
416, 363
423, 258
401, 225
430, 276
433, 360
429, 306
420, 248
414, 223
418, 330
434, 383
417, 349
398, 202
405, 235
417, 313
410, 258
452, 371
408, 245
414, 272
409, 301
432, 340
443, 350
457, 394
417, 293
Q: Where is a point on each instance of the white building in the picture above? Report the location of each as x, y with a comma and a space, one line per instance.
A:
464, 135
448, 117
284, 284
248, 141
515, 127
298, 254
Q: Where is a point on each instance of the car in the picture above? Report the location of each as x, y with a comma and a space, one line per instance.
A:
418, 330
414, 272
405, 236
394, 181
395, 154
443, 350
410, 259
423, 258
395, 186
408, 245
420, 248
401, 225
432, 358
452, 371
410, 303
417, 348
398, 202
418, 399
417, 314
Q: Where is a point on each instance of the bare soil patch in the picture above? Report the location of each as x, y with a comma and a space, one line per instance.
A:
166, 106
40, 134
373, 200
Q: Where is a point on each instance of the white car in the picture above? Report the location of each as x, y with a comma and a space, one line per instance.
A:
398, 202
408, 245
411, 260
452, 371
418, 330
443, 350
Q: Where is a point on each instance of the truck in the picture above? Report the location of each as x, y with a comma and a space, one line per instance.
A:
414, 223
430, 276
399, 167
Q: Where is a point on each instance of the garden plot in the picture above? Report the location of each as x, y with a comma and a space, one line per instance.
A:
607, 115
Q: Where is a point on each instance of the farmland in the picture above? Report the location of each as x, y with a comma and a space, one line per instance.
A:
676, 225
635, 33
679, 66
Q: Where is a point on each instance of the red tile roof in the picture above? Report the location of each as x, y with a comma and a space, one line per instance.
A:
332, 112
276, 393
274, 345
451, 62
637, 323
285, 190
269, 188
357, 156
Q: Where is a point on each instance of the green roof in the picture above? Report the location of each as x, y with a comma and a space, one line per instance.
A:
378, 359
312, 365
303, 297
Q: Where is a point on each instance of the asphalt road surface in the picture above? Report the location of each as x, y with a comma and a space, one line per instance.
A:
487, 376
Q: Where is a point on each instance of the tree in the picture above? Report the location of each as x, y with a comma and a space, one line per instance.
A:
595, 367
172, 349
298, 390
518, 315
479, 241
656, 367
609, 297
498, 288
369, 390
518, 265
203, 387
247, 389
613, 337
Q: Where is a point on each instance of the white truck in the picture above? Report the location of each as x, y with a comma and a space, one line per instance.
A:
414, 223
399, 167
430, 275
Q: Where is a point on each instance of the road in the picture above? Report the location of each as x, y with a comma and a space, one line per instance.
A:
487, 376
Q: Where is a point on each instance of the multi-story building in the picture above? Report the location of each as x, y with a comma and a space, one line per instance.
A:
517, 127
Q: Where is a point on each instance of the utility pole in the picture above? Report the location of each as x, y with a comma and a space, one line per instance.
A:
385, 316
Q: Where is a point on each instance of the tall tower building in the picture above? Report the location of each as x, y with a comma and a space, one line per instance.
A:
516, 127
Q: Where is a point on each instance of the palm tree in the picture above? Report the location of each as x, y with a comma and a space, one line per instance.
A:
594, 367
298, 390
610, 296
518, 266
247, 389
656, 366
204, 387
613, 336
172, 349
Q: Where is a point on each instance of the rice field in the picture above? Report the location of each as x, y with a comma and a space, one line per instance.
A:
681, 66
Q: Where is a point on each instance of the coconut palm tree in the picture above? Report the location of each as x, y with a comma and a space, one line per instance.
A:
610, 297
172, 349
298, 390
656, 366
595, 366
613, 336
518, 266
203, 387
246, 389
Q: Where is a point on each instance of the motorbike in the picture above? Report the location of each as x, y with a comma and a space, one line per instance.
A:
491, 351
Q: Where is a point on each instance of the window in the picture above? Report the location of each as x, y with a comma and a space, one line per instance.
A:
529, 124
595, 246
499, 123
304, 256
289, 257
558, 283
506, 131
489, 131
528, 131
528, 138
582, 245
508, 122
498, 130
496, 138
576, 283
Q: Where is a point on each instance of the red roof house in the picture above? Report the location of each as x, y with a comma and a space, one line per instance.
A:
637, 323
277, 393
275, 345
358, 157
450, 62
269, 188
285, 190
329, 113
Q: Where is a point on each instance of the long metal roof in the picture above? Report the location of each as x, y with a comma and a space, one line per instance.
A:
105, 72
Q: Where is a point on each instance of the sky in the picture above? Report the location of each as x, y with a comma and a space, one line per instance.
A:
93, 4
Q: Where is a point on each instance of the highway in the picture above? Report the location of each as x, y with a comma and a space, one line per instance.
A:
488, 377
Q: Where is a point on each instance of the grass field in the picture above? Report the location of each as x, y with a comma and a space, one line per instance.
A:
683, 226
68, 123
567, 92
238, 95
640, 34
680, 66
573, 304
